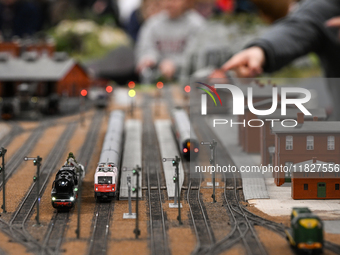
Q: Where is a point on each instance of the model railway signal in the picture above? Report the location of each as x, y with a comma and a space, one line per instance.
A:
177, 199
136, 172
129, 215
132, 94
2, 170
36, 162
212, 146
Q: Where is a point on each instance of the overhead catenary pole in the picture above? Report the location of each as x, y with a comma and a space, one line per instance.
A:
80, 182
3, 152
135, 190
38, 164
177, 160
128, 179
212, 160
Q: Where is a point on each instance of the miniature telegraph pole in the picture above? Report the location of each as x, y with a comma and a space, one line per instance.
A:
212, 146
129, 215
135, 190
36, 162
177, 198
2, 169
79, 204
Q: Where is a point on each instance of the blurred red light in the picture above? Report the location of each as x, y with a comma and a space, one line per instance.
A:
196, 150
185, 150
159, 85
109, 89
83, 92
131, 84
187, 88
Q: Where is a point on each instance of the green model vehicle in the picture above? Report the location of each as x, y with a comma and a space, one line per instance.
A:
306, 232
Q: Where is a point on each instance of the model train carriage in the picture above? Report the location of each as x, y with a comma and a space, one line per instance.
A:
306, 233
65, 188
185, 136
105, 181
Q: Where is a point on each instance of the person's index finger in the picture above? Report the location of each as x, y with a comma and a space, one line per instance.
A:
334, 22
232, 63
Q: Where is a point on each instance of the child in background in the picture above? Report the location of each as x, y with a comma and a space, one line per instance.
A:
164, 37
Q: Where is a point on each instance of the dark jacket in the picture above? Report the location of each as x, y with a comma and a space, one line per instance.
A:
301, 32
20, 19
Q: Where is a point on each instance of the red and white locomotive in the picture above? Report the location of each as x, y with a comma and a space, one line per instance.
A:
107, 172
105, 180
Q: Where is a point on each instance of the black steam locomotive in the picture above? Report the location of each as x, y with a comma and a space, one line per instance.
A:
65, 188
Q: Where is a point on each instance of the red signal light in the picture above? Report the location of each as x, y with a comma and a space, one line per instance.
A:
83, 92
159, 85
131, 84
109, 89
187, 88
185, 150
196, 150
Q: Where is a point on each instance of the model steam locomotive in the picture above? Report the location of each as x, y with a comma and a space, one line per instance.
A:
65, 186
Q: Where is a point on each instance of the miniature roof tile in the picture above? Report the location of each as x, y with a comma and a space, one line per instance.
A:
308, 127
43, 68
291, 113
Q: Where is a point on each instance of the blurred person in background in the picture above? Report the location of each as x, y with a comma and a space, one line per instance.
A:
63, 9
18, 18
308, 29
164, 37
147, 9
245, 6
126, 8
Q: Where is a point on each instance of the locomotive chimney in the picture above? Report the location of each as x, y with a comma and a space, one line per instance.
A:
315, 118
314, 160
300, 118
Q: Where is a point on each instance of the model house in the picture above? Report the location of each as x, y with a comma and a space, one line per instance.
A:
47, 75
324, 183
262, 99
267, 138
308, 139
18, 47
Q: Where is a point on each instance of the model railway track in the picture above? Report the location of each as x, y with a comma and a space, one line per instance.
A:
203, 232
54, 236
15, 130
101, 225
15, 161
56, 229
243, 228
152, 167
26, 207
18, 236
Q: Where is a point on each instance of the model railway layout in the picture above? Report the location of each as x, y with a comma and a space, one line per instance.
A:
96, 166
